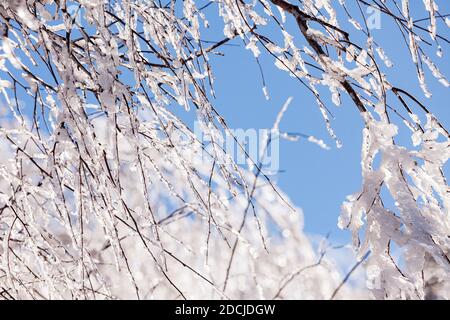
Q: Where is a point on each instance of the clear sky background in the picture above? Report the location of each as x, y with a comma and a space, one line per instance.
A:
315, 179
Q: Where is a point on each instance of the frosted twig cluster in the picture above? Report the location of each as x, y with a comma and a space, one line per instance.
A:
106, 193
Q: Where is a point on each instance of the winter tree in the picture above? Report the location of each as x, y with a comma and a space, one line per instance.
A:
105, 192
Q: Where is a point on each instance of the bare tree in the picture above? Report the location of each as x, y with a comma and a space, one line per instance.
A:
106, 193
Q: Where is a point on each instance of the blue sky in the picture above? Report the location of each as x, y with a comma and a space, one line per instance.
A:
316, 180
